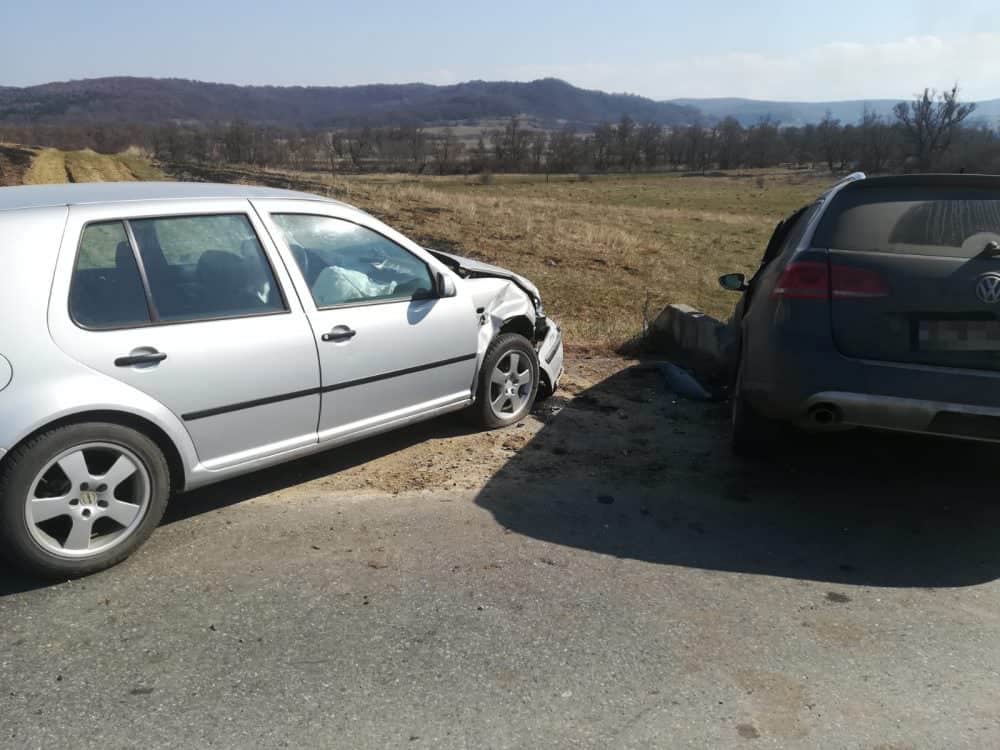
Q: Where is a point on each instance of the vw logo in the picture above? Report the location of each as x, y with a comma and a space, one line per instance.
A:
988, 288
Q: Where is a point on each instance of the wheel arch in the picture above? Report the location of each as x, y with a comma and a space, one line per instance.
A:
520, 324
147, 427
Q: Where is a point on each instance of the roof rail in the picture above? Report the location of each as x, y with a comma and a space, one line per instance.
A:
852, 177
842, 183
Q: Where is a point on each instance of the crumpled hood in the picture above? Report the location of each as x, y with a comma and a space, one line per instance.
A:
477, 268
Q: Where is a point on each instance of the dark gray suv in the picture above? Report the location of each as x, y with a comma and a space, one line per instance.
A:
876, 306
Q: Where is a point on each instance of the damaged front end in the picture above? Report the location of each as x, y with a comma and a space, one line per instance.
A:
506, 301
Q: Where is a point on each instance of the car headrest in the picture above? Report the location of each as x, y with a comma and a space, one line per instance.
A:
222, 271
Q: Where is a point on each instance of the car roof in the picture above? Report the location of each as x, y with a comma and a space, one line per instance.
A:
975, 181
71, 194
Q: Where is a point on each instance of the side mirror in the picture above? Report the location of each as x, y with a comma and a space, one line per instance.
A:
444, 285
733, 282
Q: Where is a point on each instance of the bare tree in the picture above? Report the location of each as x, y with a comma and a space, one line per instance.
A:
604, 144
446, 150
674, 145
763, 142
239, 142
829, 133
360, 145
511, 145
876, 141
416, 141
732, 142
334, 147
649, 144
628, 143
564, 153
929, 122
537, 145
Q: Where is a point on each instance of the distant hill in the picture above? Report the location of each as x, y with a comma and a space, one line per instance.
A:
158, 100
548, 101
749, 111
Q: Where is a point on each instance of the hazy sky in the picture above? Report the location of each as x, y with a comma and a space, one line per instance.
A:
780, 50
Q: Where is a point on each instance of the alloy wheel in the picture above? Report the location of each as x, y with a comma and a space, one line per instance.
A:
510, 384
87, 500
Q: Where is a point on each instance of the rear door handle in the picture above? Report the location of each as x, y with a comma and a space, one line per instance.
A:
150, 358
339, 333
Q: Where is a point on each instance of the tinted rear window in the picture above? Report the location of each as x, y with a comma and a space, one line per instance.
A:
106, 290
920, 221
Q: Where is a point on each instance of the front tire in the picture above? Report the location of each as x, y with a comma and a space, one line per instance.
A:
80, 498
508, 382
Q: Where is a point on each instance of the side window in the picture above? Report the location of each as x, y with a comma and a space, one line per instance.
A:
344, 263
106, 290
202, 267
798, 229
788, 233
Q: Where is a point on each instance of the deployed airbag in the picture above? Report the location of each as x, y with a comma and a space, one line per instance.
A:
336, 285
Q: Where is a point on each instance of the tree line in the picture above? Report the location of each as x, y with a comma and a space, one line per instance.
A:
931, 132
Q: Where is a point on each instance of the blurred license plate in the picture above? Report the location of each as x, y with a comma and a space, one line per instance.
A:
960, 335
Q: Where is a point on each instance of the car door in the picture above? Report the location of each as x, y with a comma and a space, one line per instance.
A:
391, 348
189, 306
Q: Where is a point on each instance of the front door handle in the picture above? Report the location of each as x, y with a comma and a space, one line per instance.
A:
339, 333
147, 358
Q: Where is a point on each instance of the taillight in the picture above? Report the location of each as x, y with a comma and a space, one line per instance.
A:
811, 279
805, 279
852, 282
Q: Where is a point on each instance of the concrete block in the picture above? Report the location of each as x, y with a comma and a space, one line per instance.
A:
670, 319
708, 335
686, 329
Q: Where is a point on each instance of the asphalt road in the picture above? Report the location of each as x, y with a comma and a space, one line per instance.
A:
845, 595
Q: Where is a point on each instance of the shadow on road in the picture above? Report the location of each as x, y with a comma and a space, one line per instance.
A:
623, 469
860, 508
280, 477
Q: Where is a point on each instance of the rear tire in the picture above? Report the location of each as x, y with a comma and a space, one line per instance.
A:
508, 382
752, 435
80, 498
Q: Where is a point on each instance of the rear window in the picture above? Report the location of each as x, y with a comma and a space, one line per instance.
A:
106, 290
948, 223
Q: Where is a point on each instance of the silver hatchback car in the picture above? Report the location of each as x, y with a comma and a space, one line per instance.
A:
156, 337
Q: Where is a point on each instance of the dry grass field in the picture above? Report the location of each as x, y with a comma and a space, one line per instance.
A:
605, 250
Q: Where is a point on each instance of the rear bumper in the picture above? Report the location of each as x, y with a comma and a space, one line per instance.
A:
907, 415
550, 355
824, 390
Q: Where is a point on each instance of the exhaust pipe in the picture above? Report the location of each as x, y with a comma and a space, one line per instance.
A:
823, 416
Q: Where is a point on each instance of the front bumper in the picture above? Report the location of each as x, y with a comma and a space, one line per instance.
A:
550, 355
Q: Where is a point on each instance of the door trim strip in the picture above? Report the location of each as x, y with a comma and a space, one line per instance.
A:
217, 410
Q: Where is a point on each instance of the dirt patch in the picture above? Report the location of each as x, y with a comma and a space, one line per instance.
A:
14, 162
610, 416
49, 167
89, 166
